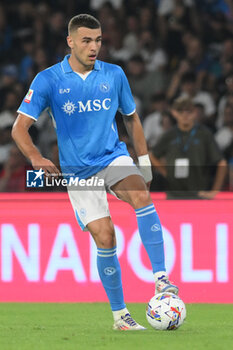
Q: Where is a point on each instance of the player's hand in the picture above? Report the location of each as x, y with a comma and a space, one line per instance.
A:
46, 165
207, 194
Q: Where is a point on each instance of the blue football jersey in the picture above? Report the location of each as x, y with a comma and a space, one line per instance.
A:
83, 112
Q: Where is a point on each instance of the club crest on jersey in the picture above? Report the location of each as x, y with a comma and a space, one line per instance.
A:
28, 97
104, 87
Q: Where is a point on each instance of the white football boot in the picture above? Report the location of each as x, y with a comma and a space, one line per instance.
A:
127, 323
163, 284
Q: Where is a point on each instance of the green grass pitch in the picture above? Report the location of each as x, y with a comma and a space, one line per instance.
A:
88, 327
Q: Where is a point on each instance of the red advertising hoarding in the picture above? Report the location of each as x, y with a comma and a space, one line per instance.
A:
44, 256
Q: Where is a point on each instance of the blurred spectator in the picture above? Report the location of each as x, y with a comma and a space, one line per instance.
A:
152, 124
215, 6
6, 122
11, 102
200, 62
154, 56
189, 89
186, 154
224, 135
219, 85
216, 30
26, 63
55, 35
40, 61
8, 78
97, 4
130, 40
231, 174
227, 98
184, 82
144, 84
227, 50
116, 48
5, 36
175, 18
12, 176
146, 18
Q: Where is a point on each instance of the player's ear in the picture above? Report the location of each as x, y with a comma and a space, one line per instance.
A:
70, 41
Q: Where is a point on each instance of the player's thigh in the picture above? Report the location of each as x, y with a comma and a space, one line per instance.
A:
132, 190
124, 180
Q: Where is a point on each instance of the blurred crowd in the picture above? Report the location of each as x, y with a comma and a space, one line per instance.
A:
167, 48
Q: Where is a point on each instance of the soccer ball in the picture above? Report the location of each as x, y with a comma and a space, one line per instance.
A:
165, 311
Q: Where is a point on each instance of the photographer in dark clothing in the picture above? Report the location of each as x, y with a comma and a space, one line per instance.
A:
187, 154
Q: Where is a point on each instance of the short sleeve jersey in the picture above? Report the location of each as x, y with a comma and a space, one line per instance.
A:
199, 147
83, 112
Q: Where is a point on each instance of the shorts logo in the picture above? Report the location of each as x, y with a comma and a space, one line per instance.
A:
35, 178
104, 87
83, 212
109, 270
28, 97
155, 227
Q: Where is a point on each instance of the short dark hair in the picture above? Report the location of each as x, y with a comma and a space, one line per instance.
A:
182, 103
83, 20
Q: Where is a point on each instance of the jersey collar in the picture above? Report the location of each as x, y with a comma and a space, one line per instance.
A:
67, 68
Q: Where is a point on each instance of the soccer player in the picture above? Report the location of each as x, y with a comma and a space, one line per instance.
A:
82, 95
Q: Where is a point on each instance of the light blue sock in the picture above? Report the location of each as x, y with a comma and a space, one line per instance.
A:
151, 234
110, 275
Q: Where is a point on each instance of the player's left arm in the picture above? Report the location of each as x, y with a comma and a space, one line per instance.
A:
135, 131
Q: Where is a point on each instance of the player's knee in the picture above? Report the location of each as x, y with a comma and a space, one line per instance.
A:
106, 240
141, 199
104, 236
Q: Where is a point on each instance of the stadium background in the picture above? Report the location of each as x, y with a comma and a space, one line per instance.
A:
157, 43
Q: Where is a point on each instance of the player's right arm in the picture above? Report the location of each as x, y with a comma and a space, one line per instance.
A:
36, 101
20, 134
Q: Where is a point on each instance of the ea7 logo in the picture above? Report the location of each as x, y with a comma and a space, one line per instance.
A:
64, 91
